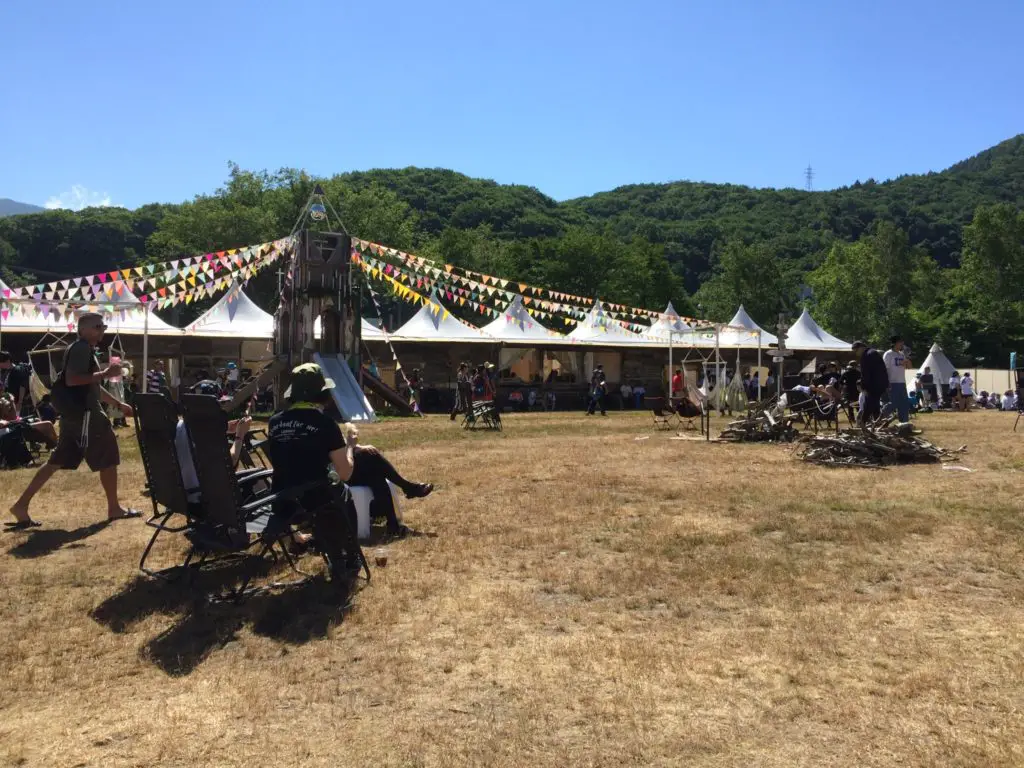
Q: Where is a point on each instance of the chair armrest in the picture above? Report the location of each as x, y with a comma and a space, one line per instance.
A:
247, 476
292, 494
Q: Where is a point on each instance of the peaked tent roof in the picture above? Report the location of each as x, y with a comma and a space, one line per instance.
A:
435, 323
807, 334
123, 317
235, 315
668, 322
598, 328
942, 367
734, 337
516, 324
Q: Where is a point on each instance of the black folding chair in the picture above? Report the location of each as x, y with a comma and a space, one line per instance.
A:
661, 412
237, 517
156, 422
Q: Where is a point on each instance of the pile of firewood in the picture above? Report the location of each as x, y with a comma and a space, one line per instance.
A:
760, 426
880, 446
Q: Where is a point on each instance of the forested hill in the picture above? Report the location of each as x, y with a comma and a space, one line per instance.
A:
707, 247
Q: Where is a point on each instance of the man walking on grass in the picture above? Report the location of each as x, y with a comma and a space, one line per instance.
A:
873, 382
85, 431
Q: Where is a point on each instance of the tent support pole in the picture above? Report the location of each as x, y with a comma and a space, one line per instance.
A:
758, 366
145, 350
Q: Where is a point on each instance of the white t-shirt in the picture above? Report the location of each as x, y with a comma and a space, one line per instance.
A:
967, 385
188, 467
954, 383
1007, 402
894, 366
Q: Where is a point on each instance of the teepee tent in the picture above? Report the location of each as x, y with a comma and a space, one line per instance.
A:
516, 324
235, 316
743, 332
598, 328
435, 323
805, 334
942, 367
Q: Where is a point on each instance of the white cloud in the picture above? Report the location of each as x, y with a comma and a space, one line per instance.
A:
79, 197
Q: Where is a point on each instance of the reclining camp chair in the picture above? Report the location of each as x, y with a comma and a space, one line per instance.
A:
155, 423
236, 519
813, 411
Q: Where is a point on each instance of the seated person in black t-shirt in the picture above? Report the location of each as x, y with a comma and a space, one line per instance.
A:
826, 383
304, 445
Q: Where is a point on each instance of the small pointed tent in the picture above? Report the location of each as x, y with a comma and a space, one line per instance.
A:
235, 316
942, 367
598, 328
669, 322
516, 324
735, 336
435, 323
805, 334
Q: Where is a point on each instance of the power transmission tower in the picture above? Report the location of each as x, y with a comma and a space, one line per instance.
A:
809, 177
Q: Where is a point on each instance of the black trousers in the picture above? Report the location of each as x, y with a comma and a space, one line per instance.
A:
596, 401
374, 471
872, 407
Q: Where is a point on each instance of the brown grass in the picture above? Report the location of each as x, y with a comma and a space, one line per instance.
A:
589, 599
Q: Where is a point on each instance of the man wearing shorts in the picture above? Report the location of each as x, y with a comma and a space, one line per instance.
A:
85, 431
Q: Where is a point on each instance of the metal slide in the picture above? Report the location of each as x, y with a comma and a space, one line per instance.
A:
348, 395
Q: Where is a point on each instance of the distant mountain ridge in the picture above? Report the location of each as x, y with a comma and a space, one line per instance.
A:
10, 207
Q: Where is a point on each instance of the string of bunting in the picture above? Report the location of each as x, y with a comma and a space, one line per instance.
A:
391, 347
536, 299
164, 284
196, 280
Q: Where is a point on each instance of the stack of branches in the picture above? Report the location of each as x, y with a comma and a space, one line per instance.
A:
760, 425
879, 446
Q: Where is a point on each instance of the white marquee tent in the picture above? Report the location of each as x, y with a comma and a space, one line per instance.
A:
598, 328
235, 315
735, 337
434, 323
668, 323
805, 334
517, 324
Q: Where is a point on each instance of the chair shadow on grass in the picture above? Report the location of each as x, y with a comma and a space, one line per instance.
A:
294, 615
45, 541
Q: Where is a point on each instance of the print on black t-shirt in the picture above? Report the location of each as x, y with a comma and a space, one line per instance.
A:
300, 445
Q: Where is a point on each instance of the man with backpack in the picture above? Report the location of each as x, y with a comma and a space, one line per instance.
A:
86, 433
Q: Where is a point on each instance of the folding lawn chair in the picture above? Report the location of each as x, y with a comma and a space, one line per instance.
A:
239, 519
482, 413
663, 416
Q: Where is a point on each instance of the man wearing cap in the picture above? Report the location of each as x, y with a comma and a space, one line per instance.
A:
896, 363
85, 431
874, 380
304, 443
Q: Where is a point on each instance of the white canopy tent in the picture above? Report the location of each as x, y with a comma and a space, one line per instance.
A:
598, 328
124, 313
517, 324
434, 323
735, 336
805, 334
235, 316
668, 324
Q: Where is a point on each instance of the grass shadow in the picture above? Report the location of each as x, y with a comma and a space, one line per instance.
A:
295, 615
42, 542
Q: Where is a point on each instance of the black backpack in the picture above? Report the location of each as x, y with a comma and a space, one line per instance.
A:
68, 401
14, 454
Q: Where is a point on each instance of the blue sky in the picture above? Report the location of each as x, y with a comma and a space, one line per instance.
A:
130, 103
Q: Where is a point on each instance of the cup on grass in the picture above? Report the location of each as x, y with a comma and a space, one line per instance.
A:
381, 558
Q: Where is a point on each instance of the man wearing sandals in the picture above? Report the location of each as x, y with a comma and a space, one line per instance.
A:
85, 431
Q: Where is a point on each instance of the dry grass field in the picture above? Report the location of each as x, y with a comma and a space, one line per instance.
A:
582, 598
